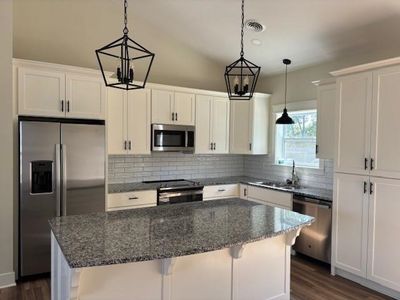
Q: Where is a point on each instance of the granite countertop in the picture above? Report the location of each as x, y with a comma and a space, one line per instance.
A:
316, 193
168, 231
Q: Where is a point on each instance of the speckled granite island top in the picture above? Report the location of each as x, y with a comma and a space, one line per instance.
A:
168, 231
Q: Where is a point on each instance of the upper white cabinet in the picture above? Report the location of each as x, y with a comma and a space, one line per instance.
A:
326, 99
354, 95
249, 125
41, 92
128, 121
169, 107
212, 124
51, 91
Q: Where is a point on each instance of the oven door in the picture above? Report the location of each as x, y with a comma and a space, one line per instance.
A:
175, 197
172, 138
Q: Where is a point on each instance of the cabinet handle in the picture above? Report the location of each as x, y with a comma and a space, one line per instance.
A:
62, 105
130, 145
365, 163
176, 116
365, 187
215, 146
211, 146
221, 190
371, 188
125, 145
68, 106
316, 149
133, 198
371, 164
245, 192
173, 117
250, 146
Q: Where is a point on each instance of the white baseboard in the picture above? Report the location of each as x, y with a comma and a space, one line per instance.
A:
368, 283
7, 280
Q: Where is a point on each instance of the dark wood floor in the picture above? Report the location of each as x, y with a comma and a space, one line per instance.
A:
310, 281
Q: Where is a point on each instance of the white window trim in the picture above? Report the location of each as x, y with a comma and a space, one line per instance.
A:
293, 106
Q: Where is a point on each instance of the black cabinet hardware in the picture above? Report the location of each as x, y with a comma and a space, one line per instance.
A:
365, 187
365, 163
371, 165
371, 188
130, 145
62, 105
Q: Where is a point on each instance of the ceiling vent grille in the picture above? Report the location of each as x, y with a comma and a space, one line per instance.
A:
254, 25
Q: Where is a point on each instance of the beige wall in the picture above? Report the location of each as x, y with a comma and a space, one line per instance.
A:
6, 149
68, 32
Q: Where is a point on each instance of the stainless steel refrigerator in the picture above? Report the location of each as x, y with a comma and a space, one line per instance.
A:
62, 172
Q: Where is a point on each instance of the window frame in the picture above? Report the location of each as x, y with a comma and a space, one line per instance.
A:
294, 106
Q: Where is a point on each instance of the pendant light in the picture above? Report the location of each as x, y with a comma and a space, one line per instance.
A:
133, 61
285, 119
241, 76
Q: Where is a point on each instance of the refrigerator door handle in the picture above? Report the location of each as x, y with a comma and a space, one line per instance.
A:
58, 180
64, 180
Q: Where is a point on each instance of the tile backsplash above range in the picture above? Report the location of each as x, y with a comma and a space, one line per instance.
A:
162, 166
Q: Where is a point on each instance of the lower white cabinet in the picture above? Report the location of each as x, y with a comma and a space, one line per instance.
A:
268, 196
137, 199
128, 121
213, 192
365, 228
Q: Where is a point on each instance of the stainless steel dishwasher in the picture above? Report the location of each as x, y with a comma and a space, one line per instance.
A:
314, 240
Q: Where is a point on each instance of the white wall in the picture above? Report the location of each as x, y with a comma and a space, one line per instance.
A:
7, 145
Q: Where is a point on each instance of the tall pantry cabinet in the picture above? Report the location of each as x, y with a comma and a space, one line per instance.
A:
367, 174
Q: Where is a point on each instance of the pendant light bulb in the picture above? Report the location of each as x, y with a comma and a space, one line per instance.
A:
285, 119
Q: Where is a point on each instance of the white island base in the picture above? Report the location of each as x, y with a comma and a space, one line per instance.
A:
254, 271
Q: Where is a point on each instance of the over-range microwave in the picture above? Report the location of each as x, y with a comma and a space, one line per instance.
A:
172, 138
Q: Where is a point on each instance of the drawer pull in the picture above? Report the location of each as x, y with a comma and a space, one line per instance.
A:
221, 190
133, 198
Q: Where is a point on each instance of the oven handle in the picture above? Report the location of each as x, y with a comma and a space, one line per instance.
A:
171, 195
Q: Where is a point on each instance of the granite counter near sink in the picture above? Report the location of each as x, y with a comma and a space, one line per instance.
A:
316, 193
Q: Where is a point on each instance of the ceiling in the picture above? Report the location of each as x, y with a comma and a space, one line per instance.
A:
307, 31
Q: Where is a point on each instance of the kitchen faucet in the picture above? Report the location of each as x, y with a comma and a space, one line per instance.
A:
295, 179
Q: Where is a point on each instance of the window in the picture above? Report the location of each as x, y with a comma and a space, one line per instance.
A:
297, 141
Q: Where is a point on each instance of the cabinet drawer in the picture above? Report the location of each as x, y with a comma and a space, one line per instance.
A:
271, 197
220, 191
131, 200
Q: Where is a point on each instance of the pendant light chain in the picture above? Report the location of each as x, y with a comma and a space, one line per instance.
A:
242, 31
285, 85
125, 31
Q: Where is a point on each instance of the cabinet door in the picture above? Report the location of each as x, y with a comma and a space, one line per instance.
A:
326, 98
385, 143
162, 106
85, 97
220, 124
116, 121
184, 108
138, 114
240, 129
41, 92
258, 125
350, 222
203, 124
384, 225
354, 93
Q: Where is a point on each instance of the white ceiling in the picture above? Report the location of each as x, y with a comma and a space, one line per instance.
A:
307, 31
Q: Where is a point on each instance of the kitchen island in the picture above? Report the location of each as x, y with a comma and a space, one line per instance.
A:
223, 249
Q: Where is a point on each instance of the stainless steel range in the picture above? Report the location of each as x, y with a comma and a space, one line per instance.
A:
178, 191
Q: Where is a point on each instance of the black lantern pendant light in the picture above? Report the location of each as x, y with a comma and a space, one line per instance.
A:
133, 61
285, 119
241, 76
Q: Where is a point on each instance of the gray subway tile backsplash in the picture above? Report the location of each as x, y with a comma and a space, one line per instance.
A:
164, 166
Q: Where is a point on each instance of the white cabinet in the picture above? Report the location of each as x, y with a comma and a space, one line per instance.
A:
383, 227
385, 138
213, 192
41, 92
270, 197
326, 99
169, 107
354, 94
128, 121
249, 125
51, 92
212, 124
350, 222
85, 96
137, 199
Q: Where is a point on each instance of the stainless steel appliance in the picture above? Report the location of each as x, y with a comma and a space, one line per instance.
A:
314, 240
178, 191
62, 172
172, 138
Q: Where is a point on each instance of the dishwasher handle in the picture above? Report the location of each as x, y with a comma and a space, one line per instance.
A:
317, 203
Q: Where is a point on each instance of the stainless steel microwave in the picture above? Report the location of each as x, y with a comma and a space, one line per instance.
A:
173, 138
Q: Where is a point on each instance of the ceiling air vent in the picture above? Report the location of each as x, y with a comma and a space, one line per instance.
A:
254, 25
